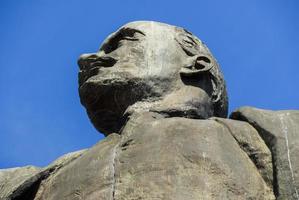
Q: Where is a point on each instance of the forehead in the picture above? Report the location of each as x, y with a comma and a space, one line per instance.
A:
159, 31
150, 27
160, 34
147, 29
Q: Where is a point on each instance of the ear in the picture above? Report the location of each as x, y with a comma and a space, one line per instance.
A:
199, 71
197, 65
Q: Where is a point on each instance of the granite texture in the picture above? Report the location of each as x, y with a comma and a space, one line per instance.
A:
158, 94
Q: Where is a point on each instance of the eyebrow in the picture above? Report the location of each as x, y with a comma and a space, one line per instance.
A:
131, 30
111, 43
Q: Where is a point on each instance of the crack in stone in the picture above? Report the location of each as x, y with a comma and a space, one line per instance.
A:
114, 154
285, 132
114, 157
269, 139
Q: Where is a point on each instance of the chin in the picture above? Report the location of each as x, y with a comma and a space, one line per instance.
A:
106, 100
103, 105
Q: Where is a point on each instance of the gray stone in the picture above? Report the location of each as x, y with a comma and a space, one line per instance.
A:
89, 177
161, 158
280, 131
253, 145
11, 179
23, 183
184, 159
157, 93
150, 66
65, 159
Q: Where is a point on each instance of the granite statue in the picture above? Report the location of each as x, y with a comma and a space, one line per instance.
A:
158, 95
154, 67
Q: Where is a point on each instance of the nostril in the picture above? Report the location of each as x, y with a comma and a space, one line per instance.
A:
102, 61
107, 61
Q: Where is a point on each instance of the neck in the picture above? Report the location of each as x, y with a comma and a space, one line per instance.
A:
188, 102
161, 109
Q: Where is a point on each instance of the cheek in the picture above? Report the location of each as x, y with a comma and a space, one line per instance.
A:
162, 65
144, 60
130, 55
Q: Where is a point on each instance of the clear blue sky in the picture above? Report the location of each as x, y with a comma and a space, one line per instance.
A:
256, 43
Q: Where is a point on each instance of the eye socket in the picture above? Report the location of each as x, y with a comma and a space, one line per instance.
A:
130, 34
123, 34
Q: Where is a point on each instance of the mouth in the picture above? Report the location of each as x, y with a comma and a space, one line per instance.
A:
104, 103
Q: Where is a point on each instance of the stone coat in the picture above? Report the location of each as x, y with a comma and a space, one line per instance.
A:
164, 158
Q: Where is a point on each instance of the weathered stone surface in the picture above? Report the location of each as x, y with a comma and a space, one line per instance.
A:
66, 159
280, 131
150, 66
253, 145
11, 179
152, 89
161, 158
89, 177
179, 158
23, 183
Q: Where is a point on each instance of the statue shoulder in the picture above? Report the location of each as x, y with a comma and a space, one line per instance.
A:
280, 132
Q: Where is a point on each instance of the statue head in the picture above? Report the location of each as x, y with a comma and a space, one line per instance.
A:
150, 66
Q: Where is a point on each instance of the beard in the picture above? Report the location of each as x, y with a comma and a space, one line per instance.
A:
107, 98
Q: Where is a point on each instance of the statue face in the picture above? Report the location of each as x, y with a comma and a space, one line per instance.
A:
142, 61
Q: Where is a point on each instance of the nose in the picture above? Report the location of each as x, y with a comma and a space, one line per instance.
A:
85, 59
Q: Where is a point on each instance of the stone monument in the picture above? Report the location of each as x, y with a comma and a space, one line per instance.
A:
158, 94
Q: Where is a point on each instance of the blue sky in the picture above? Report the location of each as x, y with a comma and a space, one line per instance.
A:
256, 43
